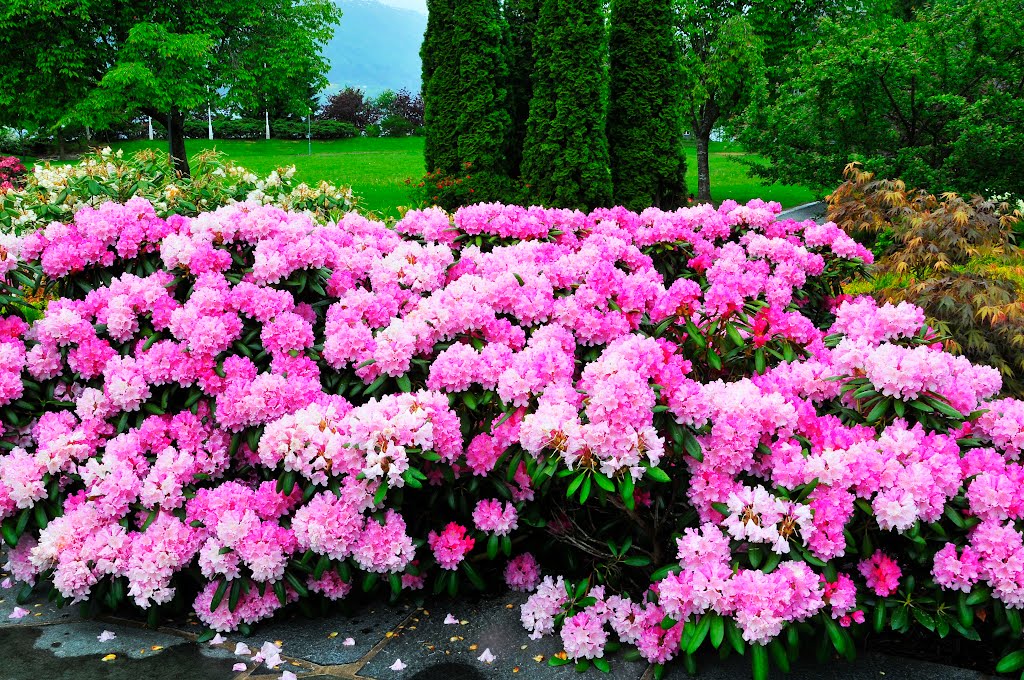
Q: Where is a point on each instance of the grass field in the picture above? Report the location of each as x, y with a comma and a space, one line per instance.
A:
376, 168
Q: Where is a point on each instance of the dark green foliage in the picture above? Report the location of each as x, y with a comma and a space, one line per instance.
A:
520, 24
934, 95
645, 117
466, 108
483, 118
440, 88
565, 157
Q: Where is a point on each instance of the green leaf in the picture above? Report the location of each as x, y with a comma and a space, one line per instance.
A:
322, 565
835, 635
759, 361
575, 484
279, 590
602, 665
236, 594
492, 546
658, 475
626, 491
899, 619
218, 595
759, 662
924, 618
404, 383
473, 576
735, 637
693, 447
879, 617
779, 656
585, 490
295, 583
699, 633
879, 410
376, 384
1012, 662
717, 631
663, 326
605, 483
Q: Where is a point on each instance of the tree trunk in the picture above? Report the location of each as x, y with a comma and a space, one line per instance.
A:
703, 171
60, 145
176, 142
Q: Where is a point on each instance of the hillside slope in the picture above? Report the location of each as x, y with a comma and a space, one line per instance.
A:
375, 47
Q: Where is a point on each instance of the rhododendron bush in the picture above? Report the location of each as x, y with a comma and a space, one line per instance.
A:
671, 428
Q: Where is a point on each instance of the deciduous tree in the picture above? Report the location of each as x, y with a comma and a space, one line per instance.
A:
162, 59
722, 70
937, 100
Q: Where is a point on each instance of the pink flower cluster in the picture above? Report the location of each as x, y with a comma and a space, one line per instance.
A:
522, 573
881, 573
760, 603
493, 517
451, 545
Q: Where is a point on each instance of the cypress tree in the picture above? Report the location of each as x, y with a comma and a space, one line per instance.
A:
565, 157
440, 88
645, 116
483, 121
520, 22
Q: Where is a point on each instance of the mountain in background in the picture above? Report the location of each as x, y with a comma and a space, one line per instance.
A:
376, 47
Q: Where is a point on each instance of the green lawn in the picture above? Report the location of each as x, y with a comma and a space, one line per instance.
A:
376, 169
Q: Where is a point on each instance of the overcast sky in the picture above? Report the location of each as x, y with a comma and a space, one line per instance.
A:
418, 5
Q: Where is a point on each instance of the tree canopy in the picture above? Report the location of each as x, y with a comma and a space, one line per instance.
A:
933, 95
645, 116
97, 61
565, 154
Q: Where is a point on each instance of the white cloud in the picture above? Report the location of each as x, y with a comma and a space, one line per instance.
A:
415, 5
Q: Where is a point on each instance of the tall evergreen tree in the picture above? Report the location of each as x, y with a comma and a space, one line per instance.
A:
440, 88
483, 120
520, 24
645, 116
565, 157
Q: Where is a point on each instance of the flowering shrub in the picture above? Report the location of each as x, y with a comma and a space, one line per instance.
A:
58, 192
11, 171
703, 440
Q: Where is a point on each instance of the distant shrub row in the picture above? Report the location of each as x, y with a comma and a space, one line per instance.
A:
254, 128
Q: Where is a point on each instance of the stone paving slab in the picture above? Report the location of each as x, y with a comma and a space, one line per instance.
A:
72, 651
57, 643
809, 211
312, 640
430, 648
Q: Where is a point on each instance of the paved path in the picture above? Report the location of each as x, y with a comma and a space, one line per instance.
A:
56, 643
808, 211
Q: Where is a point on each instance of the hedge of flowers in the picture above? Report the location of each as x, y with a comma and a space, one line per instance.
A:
11, 172
58, 192
672, 428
